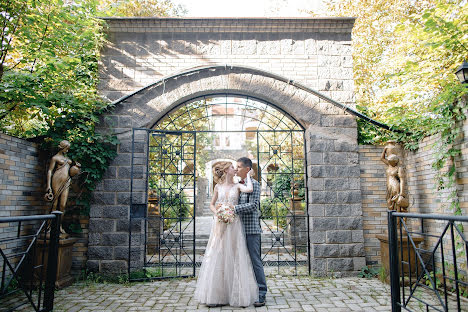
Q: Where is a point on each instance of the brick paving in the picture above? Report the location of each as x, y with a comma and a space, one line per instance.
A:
285, 294
301, 293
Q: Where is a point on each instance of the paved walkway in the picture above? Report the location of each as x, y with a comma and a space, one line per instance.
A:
302, 293
285, 294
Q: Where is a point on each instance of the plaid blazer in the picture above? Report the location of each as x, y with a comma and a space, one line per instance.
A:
248, 209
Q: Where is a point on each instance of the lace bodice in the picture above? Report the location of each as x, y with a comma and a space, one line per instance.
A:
228, 194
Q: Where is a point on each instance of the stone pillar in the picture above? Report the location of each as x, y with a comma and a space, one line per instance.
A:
336, 230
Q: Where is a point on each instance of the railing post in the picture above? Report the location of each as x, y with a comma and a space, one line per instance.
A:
393, 252
51, 274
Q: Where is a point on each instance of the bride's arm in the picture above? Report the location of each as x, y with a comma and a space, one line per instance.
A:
214, 199
248, 187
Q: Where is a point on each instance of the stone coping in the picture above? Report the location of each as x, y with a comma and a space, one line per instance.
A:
230, 25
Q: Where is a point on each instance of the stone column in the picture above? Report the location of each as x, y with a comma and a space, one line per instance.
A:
336, 230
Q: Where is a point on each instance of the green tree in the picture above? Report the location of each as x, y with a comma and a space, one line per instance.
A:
405, 55
140, 8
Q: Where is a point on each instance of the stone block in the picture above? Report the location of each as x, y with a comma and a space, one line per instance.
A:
115, 212
335, 158
122, 159
123, 198
325, 224
323, 197
343, 146
340, 264
317, 237
357, 236
114, 266
359, 263
325, 250
336, 184
95, 211
100, 253
317, 145
103, 198
316, 210
339, 237
350, 223
92, 265
111, 173
349, 197
101, 225
316, 184
94, 239
314, 158
337, 210
114, 239
117, 185
319, 266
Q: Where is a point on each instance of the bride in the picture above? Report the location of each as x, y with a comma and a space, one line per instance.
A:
226, 274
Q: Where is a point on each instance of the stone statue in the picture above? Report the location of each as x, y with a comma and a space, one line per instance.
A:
397, 198
58, 181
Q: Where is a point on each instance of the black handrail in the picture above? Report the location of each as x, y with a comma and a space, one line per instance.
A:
420, 285
23, 268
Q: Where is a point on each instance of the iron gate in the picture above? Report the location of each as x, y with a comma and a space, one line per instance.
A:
163, 190
162, 219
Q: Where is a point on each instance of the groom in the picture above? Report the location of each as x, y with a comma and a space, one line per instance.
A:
249, 211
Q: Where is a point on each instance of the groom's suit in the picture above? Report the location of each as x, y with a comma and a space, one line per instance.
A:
248, 209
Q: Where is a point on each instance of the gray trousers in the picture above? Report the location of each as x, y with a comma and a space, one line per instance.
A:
253, 245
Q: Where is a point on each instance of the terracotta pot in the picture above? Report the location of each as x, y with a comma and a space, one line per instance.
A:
74, 170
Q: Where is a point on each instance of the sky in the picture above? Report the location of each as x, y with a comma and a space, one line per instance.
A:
250, 8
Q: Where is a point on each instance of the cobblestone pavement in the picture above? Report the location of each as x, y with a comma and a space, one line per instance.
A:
285, 294
302, 293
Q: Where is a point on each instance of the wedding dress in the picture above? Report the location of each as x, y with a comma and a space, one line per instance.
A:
226, 274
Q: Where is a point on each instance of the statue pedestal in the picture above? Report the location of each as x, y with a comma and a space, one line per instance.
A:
407, 256
297, 224
64, 261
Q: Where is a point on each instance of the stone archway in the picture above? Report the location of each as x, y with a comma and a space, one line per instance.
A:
332, 164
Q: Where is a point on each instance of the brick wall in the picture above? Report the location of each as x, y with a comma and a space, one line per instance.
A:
23, 170
374, 208
423, 194
22, 178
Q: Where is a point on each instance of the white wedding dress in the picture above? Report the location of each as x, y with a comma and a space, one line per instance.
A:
226, 274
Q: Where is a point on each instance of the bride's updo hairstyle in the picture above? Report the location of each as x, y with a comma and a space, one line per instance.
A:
219, 171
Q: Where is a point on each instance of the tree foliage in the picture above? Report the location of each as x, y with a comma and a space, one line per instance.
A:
405, 56
140, 8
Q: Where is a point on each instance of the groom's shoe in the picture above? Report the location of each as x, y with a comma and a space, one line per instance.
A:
260, 302
215, 305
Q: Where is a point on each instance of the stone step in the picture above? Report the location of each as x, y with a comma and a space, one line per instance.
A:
201, 250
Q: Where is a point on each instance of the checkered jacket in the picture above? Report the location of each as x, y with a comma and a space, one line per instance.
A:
248, 209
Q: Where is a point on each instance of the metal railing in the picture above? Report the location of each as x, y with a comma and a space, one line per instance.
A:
428, 266
29, 261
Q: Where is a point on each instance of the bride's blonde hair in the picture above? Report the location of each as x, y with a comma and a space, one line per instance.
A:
219, 171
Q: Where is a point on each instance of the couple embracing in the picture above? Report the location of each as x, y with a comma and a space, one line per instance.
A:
232, 271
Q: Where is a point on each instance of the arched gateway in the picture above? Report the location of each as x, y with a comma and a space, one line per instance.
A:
304, 146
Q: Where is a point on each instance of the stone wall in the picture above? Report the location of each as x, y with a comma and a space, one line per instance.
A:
316, 52
147, 59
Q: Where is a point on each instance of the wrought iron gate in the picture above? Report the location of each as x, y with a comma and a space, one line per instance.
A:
162, 228
162, 219
284, 219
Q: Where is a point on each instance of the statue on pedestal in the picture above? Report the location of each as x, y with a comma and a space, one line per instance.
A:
397, 199
59, 176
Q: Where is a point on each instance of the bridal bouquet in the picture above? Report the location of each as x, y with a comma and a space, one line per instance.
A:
225, 214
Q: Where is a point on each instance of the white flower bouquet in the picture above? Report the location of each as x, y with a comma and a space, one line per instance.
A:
225, 214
